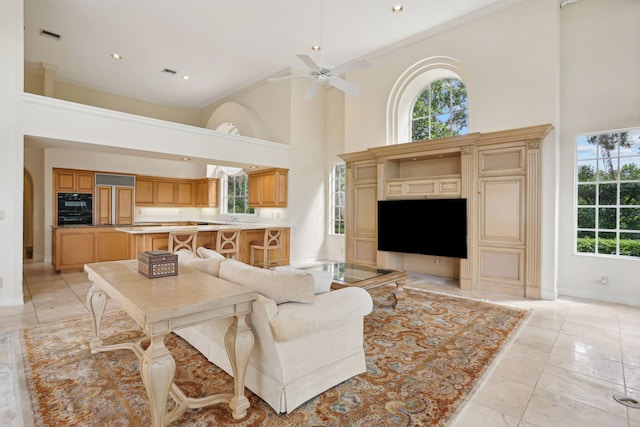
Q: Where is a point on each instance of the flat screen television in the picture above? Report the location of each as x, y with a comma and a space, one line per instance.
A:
425, 226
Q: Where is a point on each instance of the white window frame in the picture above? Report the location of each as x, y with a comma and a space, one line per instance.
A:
224, 184
337, 199
594, 157
412, 120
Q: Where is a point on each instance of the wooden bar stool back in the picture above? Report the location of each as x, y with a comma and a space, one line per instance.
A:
183, 239
228, 242
272, 241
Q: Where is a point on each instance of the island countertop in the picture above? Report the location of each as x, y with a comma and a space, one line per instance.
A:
156, 229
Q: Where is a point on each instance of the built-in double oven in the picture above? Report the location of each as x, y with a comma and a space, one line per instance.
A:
75, 209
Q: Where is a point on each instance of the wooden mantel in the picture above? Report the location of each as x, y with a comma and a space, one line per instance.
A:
499, 173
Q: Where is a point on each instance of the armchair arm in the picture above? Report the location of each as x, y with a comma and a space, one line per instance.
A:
328, 311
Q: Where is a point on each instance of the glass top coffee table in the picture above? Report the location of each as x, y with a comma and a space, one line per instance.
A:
346, 274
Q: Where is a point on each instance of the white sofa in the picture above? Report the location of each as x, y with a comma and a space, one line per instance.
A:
307, 339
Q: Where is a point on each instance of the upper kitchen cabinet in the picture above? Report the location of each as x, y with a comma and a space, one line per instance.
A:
206, 192
268, 188
144, 191
185, 192
73, 181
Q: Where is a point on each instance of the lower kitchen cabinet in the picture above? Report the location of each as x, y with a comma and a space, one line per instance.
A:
73, 247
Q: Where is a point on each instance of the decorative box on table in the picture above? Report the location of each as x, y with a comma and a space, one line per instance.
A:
152, 264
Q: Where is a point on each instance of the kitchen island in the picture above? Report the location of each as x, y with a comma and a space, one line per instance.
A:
151, 238
73, 246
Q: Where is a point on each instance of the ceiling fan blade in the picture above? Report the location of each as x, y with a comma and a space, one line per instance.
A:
280, 79
351, 66
343, 85
313, 65
313, 89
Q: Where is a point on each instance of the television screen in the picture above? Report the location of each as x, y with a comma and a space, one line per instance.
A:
425, 226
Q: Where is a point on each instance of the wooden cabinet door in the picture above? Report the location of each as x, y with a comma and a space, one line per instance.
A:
84, 182
255, 190
65, 181
144, 191
165, 192
124, 205
112, 245
104, 205
211, 190
185, 193
269, 194
282, 182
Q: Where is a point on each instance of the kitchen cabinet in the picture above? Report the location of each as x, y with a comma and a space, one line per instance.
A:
144, 191
73, 247
73, 181
268, 188
158, 191
185, 193
164, 192
206, 192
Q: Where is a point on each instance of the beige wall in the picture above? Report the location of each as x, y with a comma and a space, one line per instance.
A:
600, 69
11, 160
68, 91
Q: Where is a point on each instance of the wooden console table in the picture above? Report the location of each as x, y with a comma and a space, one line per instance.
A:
161, 305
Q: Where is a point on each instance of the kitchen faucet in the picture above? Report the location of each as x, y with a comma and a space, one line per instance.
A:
233, 218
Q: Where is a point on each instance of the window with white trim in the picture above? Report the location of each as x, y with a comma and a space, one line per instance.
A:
336, 198
440, 110
608, 193
235, 195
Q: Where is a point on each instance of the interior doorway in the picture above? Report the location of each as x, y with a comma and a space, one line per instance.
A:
27, 217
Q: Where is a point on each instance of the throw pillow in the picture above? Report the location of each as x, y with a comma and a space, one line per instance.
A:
208, 253
279, 286
321, 279
206, 265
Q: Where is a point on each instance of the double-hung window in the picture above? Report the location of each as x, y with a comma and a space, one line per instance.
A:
608, 193
336, 202
235, 194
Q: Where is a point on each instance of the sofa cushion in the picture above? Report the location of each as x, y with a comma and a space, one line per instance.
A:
278, 285
209, 253
206, 265
321, 279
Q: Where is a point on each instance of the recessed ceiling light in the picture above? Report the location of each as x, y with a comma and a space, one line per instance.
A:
397, 8
116, 56
185, 77
186, 159
315, 47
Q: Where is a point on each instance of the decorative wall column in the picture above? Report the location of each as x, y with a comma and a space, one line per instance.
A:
533, 231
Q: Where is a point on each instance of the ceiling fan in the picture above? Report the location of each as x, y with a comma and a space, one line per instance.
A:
324, 74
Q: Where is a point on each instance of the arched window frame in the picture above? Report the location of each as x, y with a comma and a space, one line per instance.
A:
409, 86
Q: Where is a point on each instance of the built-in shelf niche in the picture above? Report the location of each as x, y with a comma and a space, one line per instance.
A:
432, 175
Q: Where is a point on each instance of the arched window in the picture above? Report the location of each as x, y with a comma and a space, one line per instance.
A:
440, 110
416, 86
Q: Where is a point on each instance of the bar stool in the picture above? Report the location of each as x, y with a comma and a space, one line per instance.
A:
227, 242
183, 239
270, 242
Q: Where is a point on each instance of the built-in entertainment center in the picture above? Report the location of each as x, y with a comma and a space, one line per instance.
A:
464, 207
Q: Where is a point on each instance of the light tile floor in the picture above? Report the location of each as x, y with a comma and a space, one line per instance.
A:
561, 369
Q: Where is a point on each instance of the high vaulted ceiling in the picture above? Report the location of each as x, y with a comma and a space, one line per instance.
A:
223, 46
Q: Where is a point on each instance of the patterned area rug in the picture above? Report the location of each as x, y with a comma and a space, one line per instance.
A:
423, 358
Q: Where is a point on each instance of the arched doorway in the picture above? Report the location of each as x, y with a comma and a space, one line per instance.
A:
27, 217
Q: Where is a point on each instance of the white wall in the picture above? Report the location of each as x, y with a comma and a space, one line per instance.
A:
11, 163
510, 59
600, 91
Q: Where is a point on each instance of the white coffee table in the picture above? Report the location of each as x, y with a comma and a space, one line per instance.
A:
161, 305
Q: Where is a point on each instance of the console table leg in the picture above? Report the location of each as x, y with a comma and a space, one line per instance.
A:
400, 295
157, 369
97, 302
239, 343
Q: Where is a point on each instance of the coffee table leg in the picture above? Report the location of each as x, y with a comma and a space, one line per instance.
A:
157, 369
239, 343
97, 301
